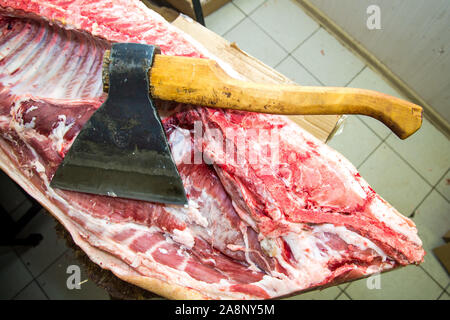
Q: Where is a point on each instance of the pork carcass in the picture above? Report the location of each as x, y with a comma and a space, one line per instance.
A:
252, 229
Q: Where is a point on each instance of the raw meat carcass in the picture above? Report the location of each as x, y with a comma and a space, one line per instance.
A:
252, 229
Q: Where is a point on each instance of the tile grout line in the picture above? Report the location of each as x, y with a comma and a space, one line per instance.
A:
311, 73
433, 188
26, 268
357, 74
253, 10
439, 181
304, 40
340, 293
353, 78
232, 27
21, 290
369, 155
42, 289
413, 212
410, 165
270, 36
347, 285
257, 25
23, 262
373, 151
35, 278
245, 16
279, 44
367, 126
422, 177
44, 270
298, 46
411, 215
358, 116
448, 201
432, 278
307, 70
348, 296
301, 65
290, 53
442, 293
404, 160
275, 66
267, 34
50, 264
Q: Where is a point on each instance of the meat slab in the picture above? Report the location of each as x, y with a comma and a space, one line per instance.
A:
251, 229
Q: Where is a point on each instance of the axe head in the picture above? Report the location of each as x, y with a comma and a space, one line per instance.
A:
122, 151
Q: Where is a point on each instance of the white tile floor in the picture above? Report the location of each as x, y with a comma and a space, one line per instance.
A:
413, 175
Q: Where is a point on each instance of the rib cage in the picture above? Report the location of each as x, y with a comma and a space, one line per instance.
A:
60, 63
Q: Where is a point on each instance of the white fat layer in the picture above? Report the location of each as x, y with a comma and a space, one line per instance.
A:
43, 47
350, 237
38, 166
180, 144
58, 133
31, 124
396, 222
31, 109
252, 265
136, 262
163, 251
194, 213
210, 260
311, 262
190, 214
184, 237
234, 247
4, 120
269, 246
144, 263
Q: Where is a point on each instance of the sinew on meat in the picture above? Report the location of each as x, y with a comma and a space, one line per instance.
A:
251, 230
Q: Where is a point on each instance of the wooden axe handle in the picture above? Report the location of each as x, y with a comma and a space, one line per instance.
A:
203, 82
